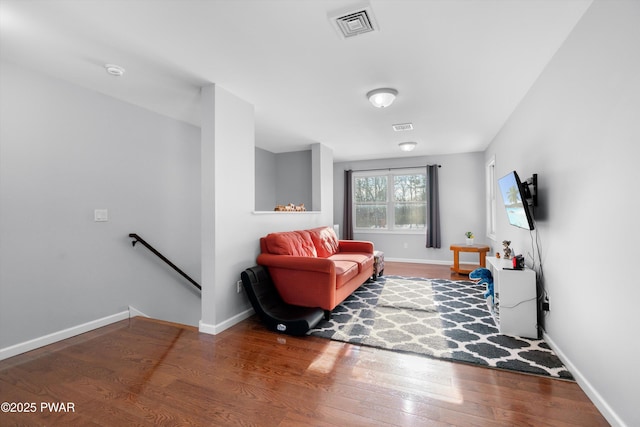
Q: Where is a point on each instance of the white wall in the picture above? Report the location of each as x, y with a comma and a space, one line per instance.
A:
462, 203
65, 151
322, 181
579, 128
230, 228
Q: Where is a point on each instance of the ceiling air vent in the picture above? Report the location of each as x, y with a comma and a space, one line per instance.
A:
402, 127
354, 23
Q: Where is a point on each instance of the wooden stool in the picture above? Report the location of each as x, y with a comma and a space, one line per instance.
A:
481, 250
378, 264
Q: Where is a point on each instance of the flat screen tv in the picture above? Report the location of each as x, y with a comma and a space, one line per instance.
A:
515, 197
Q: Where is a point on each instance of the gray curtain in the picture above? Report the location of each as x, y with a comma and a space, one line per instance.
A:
347, 220
433, 207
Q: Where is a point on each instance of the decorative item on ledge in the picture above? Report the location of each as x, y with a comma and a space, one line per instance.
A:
507, 249
469, 236
290, 208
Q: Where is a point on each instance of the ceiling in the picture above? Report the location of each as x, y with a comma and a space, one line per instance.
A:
460, 66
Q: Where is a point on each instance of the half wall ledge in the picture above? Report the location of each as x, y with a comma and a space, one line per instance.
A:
286, 212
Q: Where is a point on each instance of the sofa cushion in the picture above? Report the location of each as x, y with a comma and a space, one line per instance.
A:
345, 271
364, 261
325, 241
296, 243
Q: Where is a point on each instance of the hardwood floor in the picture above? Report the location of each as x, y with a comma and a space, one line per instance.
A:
422, 270
148, 372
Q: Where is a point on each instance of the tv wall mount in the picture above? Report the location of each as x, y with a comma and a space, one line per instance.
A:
530, 188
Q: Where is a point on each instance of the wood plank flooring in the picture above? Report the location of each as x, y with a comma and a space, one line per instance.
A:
147, 372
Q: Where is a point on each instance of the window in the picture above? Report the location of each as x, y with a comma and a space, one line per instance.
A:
394, 200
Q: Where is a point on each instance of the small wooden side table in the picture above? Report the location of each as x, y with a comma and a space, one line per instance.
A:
481, 250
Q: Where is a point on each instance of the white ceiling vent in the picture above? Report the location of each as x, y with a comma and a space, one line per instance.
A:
402, 127
354, 23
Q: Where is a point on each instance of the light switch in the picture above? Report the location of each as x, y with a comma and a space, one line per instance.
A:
100, 215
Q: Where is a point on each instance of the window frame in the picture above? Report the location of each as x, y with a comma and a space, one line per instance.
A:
490, 173
390, 202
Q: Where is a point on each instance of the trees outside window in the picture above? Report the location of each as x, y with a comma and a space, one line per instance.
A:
390, 201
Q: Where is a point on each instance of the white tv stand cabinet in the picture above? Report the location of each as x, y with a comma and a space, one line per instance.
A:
515, 298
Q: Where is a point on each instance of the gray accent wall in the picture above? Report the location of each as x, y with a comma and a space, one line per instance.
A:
265, 180
283, 178
293, 178
578, 128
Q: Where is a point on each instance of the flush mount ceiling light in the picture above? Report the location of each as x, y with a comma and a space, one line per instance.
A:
382, 98
407, 146
114, 70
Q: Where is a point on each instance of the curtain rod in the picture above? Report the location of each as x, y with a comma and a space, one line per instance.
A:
389, 169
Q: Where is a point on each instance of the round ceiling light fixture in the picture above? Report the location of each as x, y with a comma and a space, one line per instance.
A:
114, 70
382, 98
407, 146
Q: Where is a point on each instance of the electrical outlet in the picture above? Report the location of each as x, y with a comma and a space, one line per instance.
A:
239, 286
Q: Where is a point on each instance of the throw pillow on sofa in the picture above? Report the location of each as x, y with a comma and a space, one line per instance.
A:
325, 241
296, 243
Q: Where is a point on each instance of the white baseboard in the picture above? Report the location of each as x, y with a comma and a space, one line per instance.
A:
29, 345
585, 385
54, 337
133, 312
207, 328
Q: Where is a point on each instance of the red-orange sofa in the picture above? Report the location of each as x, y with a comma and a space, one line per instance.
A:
312, 268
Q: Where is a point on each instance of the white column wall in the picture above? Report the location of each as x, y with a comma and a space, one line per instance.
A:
230, 227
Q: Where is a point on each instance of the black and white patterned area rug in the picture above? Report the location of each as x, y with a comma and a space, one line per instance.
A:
439, 318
